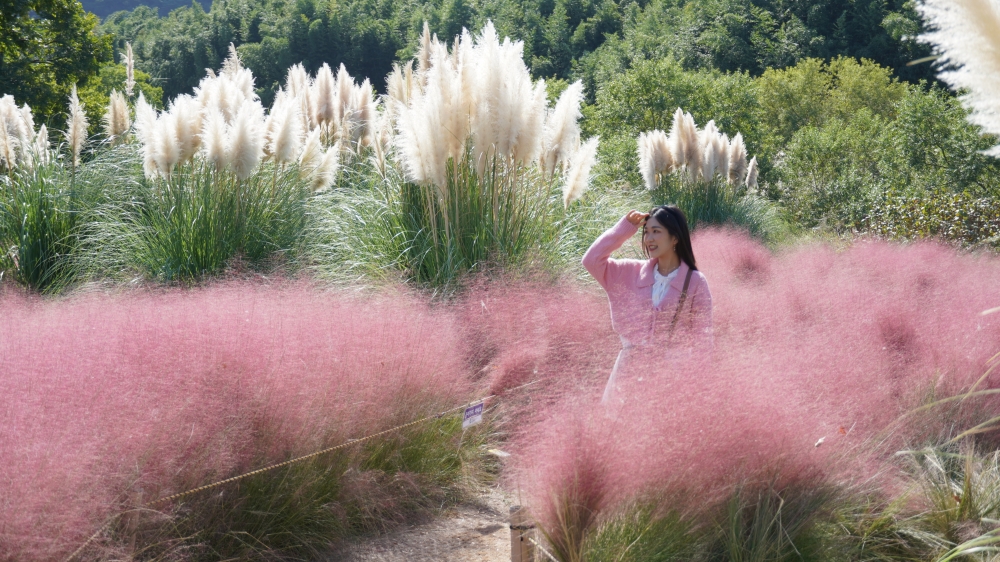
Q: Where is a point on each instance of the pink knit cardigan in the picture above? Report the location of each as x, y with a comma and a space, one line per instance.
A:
629, 284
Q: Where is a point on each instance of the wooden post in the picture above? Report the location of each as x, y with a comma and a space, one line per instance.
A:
521, 531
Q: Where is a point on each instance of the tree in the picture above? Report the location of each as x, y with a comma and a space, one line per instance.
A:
47, 46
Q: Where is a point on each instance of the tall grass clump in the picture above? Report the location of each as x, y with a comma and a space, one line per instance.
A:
706, 174
225, 180
822, 362
481, 154
37, 215
137, 397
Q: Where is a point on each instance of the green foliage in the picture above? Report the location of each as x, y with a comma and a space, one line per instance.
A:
913, 172
47, 46
754, 35
642, 534
301, 509
770, 524
957, 217
496, 217
37, 227
595, 40
193, 225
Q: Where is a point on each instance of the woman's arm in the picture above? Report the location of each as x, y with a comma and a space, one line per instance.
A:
596, 260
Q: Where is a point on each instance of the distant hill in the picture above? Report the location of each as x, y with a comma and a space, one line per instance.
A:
103, 8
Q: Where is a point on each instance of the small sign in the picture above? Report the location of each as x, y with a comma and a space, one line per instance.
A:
473, 415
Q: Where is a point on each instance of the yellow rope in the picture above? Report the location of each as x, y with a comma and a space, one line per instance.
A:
286, 463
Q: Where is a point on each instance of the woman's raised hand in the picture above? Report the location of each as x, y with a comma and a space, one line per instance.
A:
636, 218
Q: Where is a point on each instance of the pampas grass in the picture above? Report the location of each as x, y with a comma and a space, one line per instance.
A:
116, 118
475, 139
702, 154
562, 131
706, 174
129, 70
20, 146
967, 34
578, 175
76, 127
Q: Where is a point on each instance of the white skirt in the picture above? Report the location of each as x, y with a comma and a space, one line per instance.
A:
613, 395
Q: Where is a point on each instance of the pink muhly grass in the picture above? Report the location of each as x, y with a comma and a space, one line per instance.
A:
112, 401
812, 346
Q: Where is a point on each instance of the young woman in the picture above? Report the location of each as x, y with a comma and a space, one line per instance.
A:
658, 305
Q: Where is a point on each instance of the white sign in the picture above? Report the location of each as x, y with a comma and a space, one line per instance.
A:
473, 415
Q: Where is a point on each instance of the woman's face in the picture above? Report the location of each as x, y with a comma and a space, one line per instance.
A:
658, 242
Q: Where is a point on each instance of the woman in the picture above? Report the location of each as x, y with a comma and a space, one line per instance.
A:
659, 305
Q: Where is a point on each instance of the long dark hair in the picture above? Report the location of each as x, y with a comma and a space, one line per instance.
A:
676, 223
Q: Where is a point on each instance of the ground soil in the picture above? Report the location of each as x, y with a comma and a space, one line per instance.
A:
475, 530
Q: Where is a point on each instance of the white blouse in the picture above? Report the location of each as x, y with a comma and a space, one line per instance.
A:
661, 285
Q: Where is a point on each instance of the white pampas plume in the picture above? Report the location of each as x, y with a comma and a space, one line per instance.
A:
737, 159
528, 146
129, 70
298, 86
116, 119
367, 113
16, 131
297, 80
145, 126
722, 156
578, 175
40, 146
967, 34
685, 145
424, 53
692, 146
654, 157
214, 146
312, 154
345, 110
188, 118
284, 136
8, 140
232, 64
246, 139
752, 174
323, 176
324, 94
76, 127
707, 139
397, 88
167, 150
562, 131
25, 124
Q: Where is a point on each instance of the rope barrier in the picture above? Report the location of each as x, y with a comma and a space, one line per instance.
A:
542, 549
345, 444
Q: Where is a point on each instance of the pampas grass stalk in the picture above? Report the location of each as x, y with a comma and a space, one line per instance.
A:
578, 175
76, 127
562, 131
129, 70
116, 119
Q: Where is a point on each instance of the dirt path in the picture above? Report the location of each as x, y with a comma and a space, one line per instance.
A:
473, 531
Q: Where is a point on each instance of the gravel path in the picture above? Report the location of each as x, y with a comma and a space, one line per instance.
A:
473, 531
